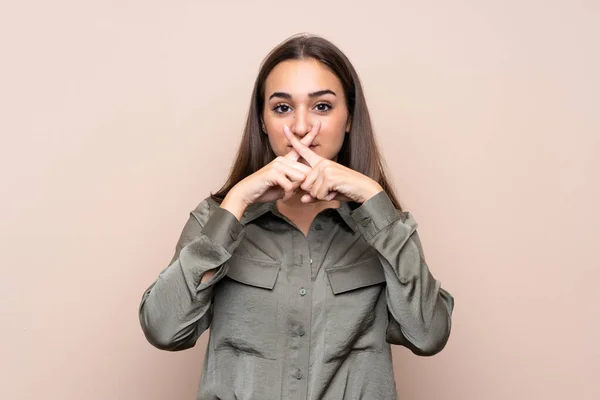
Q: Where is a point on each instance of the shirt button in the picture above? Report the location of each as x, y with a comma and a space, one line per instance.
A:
311, 260
302, 291
318, 227
298, 375
301, 332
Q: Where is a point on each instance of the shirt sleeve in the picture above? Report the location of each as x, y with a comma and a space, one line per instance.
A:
420, 310
176, 309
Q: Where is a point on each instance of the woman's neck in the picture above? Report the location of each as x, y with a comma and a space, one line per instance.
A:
295, 205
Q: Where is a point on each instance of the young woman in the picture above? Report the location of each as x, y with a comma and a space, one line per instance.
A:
303, 265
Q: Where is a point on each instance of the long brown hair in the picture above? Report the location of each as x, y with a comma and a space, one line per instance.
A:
359, 150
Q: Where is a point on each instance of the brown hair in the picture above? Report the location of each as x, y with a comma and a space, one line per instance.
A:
359, 150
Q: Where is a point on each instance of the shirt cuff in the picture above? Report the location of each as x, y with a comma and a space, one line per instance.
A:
224, 229
375, 214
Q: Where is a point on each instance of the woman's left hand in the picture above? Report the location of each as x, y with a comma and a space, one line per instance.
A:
329, 180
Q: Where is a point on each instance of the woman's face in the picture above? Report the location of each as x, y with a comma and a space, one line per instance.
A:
297, 94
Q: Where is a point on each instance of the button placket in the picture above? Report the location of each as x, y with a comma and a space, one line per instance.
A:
316, 244
298, 317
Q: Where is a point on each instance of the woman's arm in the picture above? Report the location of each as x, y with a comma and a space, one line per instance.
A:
177, 307
420, 310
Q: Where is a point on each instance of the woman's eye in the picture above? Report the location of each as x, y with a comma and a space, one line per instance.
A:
323, 107
281, 108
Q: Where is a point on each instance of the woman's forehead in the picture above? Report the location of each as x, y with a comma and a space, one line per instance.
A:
299, 78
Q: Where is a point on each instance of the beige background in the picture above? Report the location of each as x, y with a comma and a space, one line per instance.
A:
117, 118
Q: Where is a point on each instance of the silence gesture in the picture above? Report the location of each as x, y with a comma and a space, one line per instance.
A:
280, 179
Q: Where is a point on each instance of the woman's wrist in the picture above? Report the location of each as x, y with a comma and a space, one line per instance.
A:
234, 204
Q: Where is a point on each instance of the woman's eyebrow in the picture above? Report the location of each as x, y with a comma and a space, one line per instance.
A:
288, 96
321, 93
281, 94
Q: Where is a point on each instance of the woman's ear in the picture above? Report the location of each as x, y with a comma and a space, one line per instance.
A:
349, 125
262, 126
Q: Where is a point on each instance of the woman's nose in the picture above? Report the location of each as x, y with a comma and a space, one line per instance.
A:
301, 125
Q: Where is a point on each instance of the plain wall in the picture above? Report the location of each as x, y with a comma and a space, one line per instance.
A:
118, 118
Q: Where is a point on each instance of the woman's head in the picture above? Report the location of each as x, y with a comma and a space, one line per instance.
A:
304, 79
298, 93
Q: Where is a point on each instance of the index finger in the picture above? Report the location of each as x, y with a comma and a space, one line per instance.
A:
304, 151
306, 140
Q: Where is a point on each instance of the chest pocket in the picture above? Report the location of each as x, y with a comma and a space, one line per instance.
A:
350, 277
245, 308
356, 308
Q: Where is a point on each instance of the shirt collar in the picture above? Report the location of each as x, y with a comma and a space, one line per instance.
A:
345, 211
255, 210
258, 209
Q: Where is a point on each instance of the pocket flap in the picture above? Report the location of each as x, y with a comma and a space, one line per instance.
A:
349, 277
259, 273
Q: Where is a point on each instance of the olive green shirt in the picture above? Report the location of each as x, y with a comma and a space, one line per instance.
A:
293, 316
